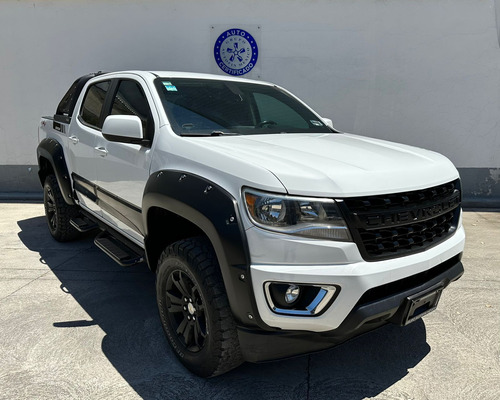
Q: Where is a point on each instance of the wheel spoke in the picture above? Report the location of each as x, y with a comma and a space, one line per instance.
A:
175, 308
200, 331
178, 284
184, 285
182, 326
174, 299
196, 296
186, 334
197, 334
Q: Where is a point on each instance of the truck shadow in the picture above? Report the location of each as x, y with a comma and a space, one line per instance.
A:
122, 303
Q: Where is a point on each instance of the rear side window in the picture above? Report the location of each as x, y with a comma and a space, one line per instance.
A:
131, 100
64, 107
93, 103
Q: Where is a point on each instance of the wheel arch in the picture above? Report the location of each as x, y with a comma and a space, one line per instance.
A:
164, 227
50, 156
190, 205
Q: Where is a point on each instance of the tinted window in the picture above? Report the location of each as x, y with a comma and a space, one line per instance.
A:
67, 104
64, 106
93, 102
204, 107
271, 109
131, 100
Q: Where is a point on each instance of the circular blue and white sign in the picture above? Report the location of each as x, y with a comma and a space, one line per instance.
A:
236, 52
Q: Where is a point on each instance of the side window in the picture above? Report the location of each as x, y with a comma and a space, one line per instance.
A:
65, 104
131, 100
93, 103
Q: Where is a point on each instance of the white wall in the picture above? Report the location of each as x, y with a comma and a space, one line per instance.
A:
422, 72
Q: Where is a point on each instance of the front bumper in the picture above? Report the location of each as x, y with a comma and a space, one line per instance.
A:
378, 306
354, 278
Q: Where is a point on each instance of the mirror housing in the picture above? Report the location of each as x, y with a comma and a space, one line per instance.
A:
328, 122
124, 129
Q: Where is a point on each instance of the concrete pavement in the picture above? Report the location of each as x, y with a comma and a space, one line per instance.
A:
74, 325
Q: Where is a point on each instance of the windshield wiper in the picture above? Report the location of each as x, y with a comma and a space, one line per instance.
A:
213, 133
222, 133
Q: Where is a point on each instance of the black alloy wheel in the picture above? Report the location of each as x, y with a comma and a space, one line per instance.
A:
194, 309
186, 310
58, 212
50, 208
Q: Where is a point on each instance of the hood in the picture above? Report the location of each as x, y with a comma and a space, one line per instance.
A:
342, 165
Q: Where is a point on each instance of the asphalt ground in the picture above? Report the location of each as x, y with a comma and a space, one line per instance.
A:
75, 325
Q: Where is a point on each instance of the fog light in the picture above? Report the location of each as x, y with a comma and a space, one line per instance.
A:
299, 299
292, 294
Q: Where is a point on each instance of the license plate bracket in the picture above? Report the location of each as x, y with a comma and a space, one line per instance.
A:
421, 304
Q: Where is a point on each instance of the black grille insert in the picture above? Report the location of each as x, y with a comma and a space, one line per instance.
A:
387, 226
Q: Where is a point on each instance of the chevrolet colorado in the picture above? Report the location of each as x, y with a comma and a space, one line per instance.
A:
271, 234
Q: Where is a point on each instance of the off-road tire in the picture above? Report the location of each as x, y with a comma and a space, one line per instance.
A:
58, 212
189, 284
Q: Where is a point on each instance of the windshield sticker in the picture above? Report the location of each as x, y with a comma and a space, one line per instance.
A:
316, 123
169, 87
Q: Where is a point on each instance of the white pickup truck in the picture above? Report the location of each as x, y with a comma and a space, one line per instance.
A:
271, 234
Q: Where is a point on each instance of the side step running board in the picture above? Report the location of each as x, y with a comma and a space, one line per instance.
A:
117, 250
83, 224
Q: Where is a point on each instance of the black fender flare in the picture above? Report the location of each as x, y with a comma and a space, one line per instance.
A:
215, 211
51, 150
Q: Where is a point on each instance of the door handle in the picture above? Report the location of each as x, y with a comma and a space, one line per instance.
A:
74, 139
101, 151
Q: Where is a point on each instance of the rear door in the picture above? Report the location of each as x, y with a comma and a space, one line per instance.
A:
84, 131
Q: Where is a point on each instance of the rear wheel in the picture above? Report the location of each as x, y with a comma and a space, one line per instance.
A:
194, 309
58, 212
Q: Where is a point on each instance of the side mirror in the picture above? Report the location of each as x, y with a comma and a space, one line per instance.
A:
328, 122
124, 129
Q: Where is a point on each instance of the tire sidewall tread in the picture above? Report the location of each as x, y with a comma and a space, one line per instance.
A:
197, 259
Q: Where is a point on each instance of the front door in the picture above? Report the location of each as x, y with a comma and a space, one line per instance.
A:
123, 168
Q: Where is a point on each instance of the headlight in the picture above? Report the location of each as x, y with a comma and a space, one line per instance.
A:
302, 216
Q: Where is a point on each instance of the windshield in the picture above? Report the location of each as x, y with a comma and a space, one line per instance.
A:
200, 107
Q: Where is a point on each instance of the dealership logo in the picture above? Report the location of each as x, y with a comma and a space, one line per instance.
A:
236, 52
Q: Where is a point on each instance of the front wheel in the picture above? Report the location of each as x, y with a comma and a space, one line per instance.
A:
194, 309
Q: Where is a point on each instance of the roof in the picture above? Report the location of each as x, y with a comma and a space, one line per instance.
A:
190, 75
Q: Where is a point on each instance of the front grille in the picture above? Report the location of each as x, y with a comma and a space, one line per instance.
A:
387, 226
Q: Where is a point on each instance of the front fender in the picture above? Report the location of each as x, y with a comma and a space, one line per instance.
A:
215, 212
